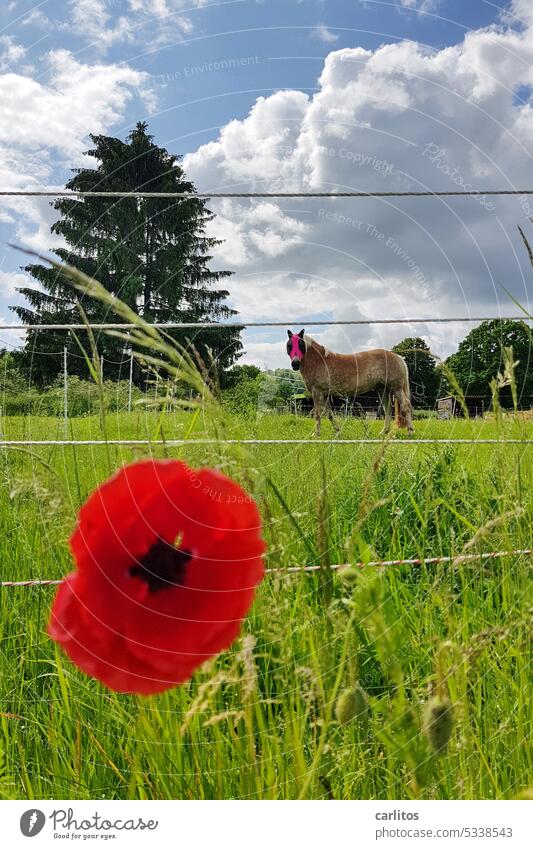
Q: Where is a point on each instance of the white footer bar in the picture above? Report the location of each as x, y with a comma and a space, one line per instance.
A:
264, 825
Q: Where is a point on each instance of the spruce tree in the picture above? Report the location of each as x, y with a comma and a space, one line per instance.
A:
153, 253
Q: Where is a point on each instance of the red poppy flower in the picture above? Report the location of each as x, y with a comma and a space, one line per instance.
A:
168, 559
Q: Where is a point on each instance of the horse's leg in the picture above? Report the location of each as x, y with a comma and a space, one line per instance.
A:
318, 401
386, 400
332, 418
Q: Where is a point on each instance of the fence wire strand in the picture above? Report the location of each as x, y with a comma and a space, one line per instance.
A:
209, 195
173, 443
337, 567
186, 325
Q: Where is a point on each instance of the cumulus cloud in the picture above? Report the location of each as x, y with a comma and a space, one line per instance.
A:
92, 19
58, 115
518, 12
44, 127
399, 117
10, 52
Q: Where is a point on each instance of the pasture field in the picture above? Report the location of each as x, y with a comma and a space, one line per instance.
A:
260, 720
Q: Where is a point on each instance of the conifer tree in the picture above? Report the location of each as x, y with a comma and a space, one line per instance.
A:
153, 253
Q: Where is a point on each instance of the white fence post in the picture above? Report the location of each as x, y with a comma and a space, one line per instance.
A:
131, 381
65, 386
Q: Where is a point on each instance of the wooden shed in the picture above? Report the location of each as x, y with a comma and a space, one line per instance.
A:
449, 407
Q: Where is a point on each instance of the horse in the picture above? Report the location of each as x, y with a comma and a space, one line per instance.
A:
325, 373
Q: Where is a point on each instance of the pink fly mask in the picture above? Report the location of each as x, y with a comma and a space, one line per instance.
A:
296, 348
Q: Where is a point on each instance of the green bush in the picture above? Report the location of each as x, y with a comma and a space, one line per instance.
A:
243, 397
425, 414
82, 397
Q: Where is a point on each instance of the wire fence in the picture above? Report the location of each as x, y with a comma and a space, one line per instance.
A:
409, 443
177, 325
208, 195
127, 363
168, 326
337, 567
175, 443
127, 360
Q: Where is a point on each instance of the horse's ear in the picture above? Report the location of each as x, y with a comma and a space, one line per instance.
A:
289, 334
301, 334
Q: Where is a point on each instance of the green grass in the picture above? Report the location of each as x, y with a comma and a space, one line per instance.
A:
259, 721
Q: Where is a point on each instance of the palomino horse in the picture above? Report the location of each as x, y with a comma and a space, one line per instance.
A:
326, 373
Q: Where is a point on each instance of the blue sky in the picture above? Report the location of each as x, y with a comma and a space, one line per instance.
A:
307, 94
284, 42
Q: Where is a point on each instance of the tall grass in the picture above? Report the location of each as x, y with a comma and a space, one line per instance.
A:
259, 721
438, 656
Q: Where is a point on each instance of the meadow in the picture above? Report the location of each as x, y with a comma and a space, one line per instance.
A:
262, 720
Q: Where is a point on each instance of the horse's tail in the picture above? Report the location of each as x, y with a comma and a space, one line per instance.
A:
399, 417
402, 408
401, 420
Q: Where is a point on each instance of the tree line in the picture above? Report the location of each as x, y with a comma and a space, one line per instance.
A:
480, 357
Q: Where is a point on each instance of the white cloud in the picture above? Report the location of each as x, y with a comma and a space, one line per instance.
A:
37, 18
420, 5
9, 338
78, 98
518, 12
322, 33
399, 117
10, 282
148, 22
258, 149
92, 19
162, 8
44, 125
10, 52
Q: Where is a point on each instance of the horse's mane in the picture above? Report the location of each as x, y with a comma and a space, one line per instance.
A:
312, 343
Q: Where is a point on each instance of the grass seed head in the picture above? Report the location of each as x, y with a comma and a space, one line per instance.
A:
438, 723
352, 705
